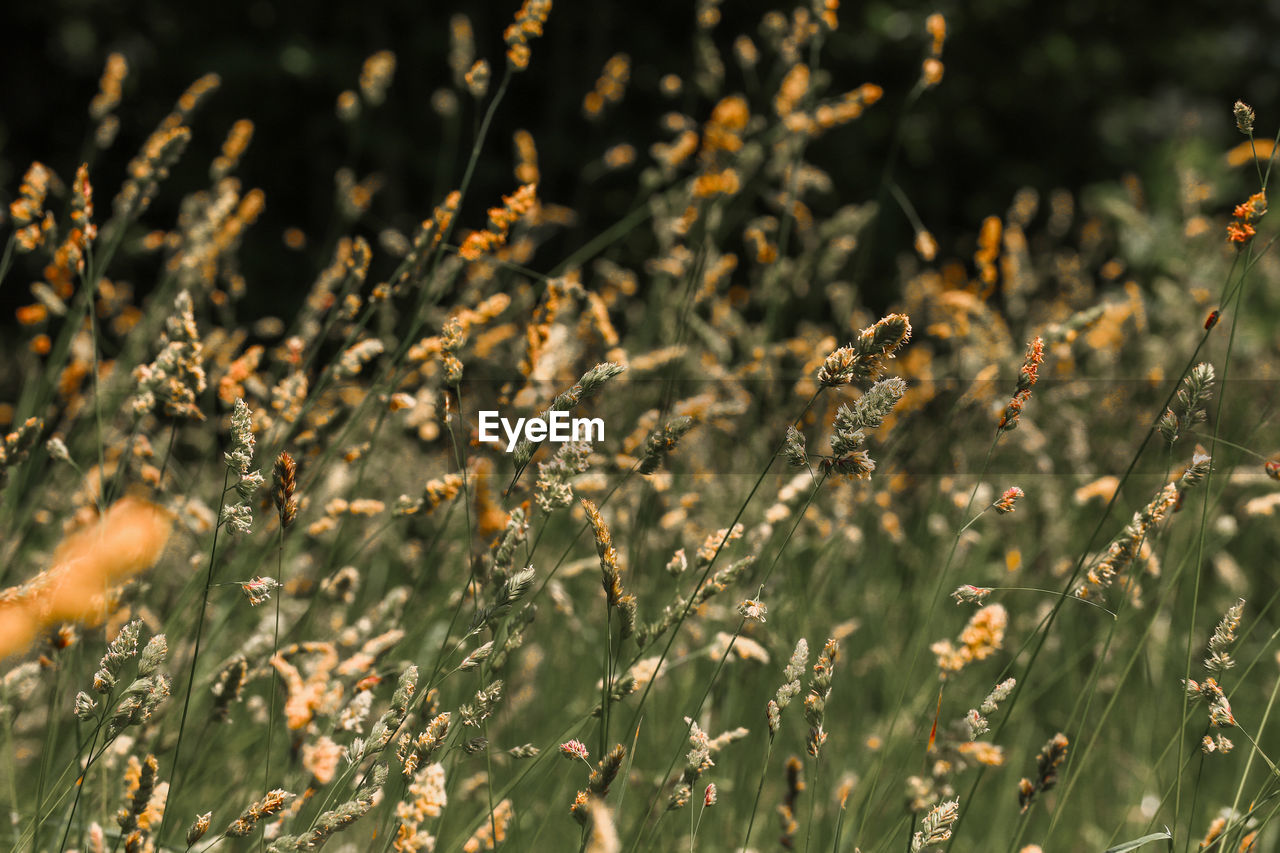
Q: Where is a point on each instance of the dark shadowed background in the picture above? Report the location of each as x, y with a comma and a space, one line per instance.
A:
1036, 94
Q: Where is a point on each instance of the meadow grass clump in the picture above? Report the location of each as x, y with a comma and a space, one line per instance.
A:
268, 587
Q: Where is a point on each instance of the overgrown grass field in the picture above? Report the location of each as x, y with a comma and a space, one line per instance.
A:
978, 558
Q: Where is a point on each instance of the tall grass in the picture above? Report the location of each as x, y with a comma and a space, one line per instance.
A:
836, 579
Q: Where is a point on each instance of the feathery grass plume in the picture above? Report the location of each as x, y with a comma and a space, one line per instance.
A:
84, 706
120, 651
16, 447
815, 703
1244, 117
970, 594
1196, 390
477, 78
273, 802
149, 167
486, 699
1027, 377
347, 106
1049, 759
1217, 743
1194, 474
259, 589
528, 24
609, 88
493, 831
503, 549
848, 437
153, 654
284, 487
864, 357
30, 221
796, 453
17, 686
357, 710
376, 75
1224, 635
475, 745
572, 749
198, 828
790, 687
1220, 716
515, 632
476, 657
752, 609
427, 797
227, 686
328, 823
982, 637
587, 387
935, 827
138, 702
233, 148
356, 356
875, 405
140, 784
662, 443
452, 339
512, 590
606, 770
413, 752
997, 695
714, 543
1124, 549
385, 726
611, 572
787, 808
434, 493
479, 243
57, 449
1006, 502
696, 763
976, 719
238, 517
68, 258
554, 490
176, 376
526, 170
